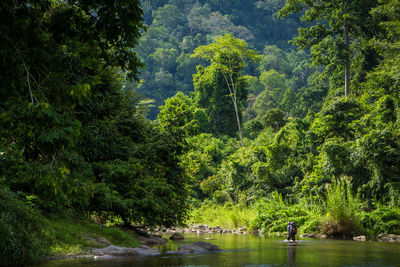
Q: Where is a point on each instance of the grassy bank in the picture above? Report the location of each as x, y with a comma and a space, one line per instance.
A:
27, 236
227, 216
74, 237
273, 220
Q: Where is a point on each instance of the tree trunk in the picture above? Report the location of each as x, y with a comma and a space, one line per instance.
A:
238, 121
232, 92
347, 70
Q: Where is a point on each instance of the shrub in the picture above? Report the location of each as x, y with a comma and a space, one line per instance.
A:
342, 209
22, 240
227, 216
383, 219
273, 214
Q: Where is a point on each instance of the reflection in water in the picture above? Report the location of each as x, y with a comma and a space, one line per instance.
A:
291, 254
254, 251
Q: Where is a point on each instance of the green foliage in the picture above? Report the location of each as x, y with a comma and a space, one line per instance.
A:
59, 51
383, 219
274, 82
342, 209
379, 149
252, 128
170, 17
71, 135
69, 237
276, 59
387, 44
227, 56
213, 96
22, 239
337, 117
300, 132
182, 117
136, 173
181, 26
204, 154
274, 118
74, 137
330, 25
273, 214
226, 216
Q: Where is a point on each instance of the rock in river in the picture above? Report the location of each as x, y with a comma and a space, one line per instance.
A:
199, 247
122, 251
313, 235
360, 238
176, 236
152, 241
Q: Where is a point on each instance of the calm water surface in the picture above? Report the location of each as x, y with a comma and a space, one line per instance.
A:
249, 250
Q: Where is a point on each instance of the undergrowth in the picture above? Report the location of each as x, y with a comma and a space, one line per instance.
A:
342, 210
338, 212
27, 237
22, 240
227, 216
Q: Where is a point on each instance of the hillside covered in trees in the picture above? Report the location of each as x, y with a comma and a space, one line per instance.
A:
160, 113
310, 126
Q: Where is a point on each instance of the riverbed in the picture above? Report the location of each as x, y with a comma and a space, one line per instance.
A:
256, 251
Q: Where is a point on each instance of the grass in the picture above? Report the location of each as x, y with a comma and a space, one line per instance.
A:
342, 209
69, 237
269, 215
336, 214
226, 216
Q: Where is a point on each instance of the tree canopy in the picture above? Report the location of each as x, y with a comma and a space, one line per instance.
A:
228, 56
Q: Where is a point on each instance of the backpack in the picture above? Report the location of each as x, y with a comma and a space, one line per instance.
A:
293, 229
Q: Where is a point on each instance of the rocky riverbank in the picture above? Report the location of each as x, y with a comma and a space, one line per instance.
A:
148, 242
202, 229
151, 241
381, 237
205, 229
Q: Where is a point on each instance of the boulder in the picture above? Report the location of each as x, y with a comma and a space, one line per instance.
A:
152, 241
199, 247
122, 251
176, 236
393, 238
146, 252
177, 252
390, 237
313, 235
360, 238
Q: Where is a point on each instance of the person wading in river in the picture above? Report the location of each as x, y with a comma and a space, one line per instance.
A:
292, 231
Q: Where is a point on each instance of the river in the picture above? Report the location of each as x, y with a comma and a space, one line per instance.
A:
253, 251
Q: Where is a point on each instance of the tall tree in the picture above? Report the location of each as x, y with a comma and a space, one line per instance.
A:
228, 55
337, 31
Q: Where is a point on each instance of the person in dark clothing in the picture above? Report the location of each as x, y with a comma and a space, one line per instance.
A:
292, 231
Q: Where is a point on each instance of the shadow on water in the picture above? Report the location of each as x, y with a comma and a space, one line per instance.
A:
250, 250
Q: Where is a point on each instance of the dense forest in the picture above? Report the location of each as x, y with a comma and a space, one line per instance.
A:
158, 113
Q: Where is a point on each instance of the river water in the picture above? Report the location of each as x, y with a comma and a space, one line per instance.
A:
253, 251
